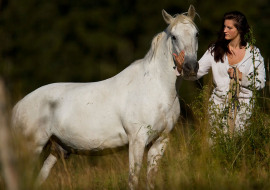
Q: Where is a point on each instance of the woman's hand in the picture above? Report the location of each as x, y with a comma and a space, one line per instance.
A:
179, 60
231, 73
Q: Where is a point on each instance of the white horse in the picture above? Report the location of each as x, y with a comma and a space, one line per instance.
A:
136, 107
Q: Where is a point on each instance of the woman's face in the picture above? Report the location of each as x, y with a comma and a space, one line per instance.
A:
230, 30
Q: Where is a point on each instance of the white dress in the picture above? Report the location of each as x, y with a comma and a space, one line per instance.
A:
221, 81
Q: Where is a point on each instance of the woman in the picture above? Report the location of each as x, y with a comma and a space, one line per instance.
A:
231, 60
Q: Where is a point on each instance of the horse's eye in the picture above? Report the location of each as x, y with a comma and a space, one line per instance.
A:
173, 37
197, 34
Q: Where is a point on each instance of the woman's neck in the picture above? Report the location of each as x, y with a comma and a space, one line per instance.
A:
235, 43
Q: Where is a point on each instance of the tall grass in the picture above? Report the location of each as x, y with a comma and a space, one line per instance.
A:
190, 162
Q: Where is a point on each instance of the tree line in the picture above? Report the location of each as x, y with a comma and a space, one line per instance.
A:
82, 41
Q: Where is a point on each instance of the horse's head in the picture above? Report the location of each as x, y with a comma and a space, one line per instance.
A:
183, 35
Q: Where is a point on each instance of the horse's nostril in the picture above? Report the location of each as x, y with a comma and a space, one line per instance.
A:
187, 67
191, 67
197, 67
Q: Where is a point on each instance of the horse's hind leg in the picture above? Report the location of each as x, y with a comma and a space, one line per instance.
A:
56, 151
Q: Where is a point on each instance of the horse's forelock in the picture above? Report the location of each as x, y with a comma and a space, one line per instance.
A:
181, 18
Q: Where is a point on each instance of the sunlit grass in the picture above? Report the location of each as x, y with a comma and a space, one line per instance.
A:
190, 162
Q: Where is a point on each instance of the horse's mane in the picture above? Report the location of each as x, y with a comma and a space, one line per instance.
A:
154, 46
156, 40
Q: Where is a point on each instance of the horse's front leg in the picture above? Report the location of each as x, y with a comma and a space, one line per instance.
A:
136, 151
154, 154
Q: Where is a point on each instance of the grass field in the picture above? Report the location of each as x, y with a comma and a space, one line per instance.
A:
190, 162
241, 162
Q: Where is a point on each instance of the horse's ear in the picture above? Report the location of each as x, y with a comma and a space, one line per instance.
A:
191, 12
167, 17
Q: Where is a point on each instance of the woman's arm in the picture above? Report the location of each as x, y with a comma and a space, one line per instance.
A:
247, 80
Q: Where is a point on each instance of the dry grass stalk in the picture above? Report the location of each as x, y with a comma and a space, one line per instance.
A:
6, 154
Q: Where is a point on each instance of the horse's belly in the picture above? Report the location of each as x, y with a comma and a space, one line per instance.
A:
93, 134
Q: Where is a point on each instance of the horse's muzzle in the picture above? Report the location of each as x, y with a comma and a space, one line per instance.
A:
191, 68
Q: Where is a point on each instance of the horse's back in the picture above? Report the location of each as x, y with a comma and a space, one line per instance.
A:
114, 89
78, 113
27, 111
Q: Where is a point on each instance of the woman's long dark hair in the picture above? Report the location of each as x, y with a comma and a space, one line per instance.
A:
220, 47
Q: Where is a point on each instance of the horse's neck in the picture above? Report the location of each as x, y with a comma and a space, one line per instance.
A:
161, 66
